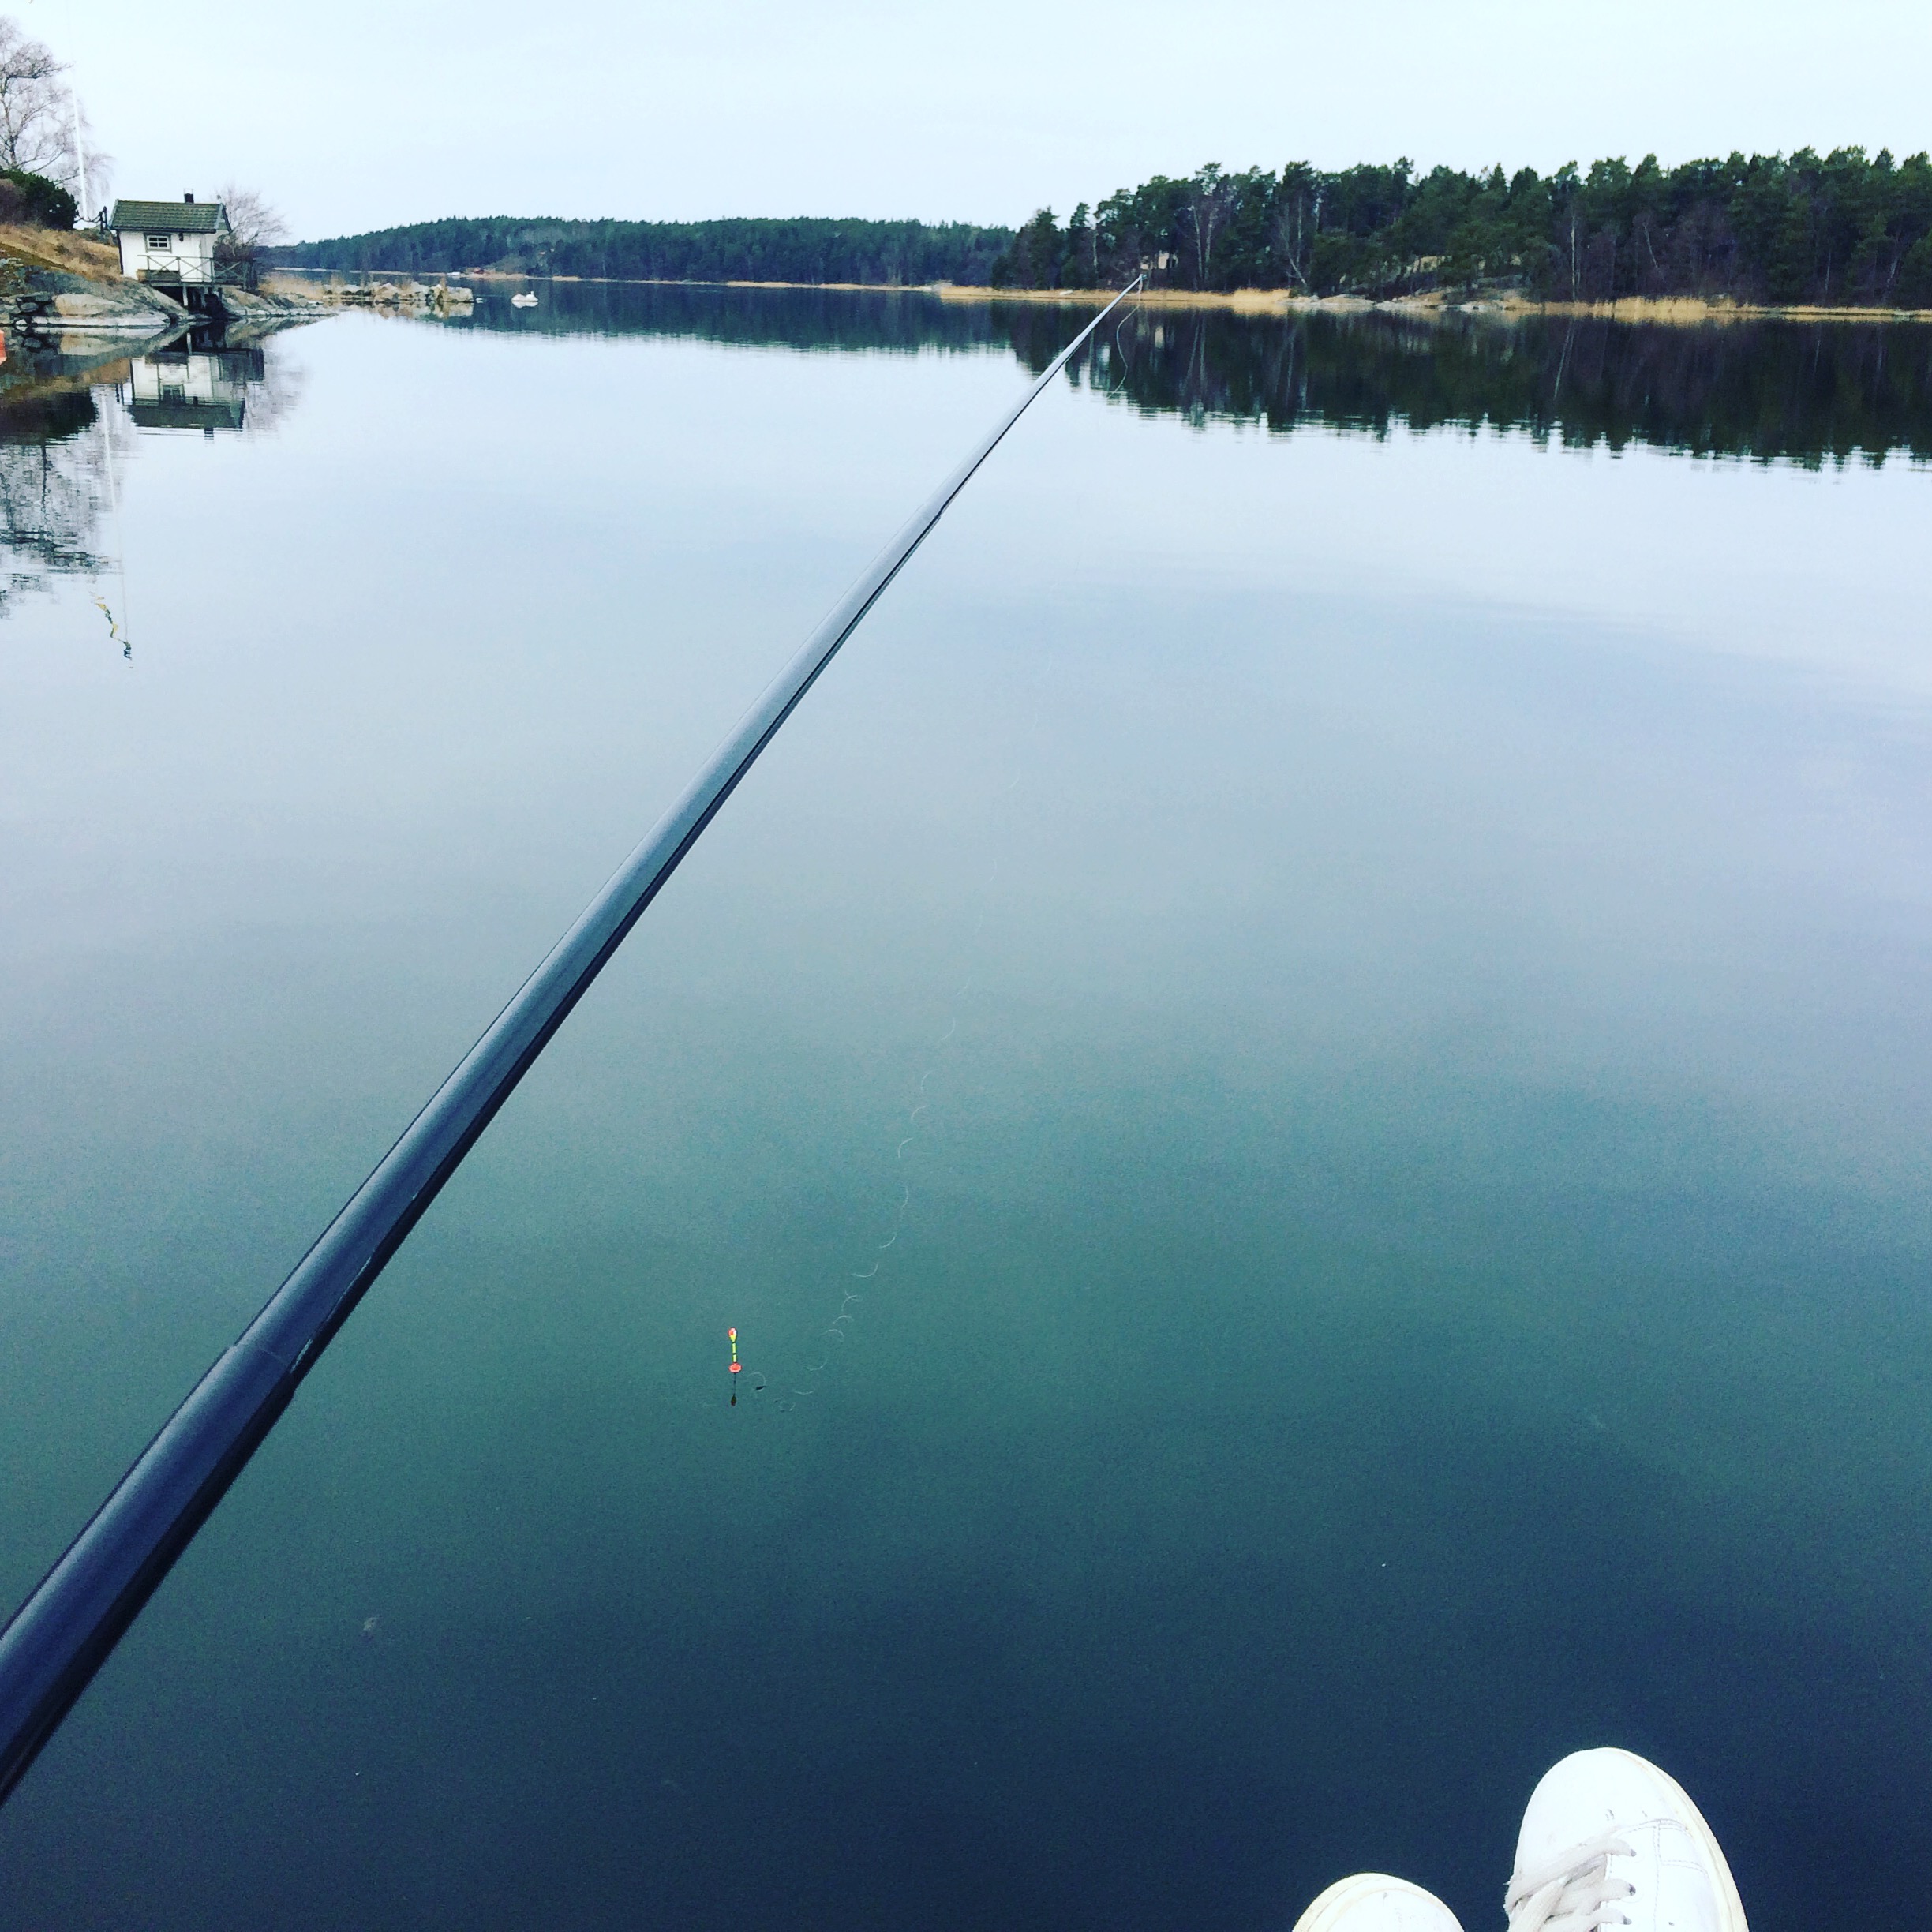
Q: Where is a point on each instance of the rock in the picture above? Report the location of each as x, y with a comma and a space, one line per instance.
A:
49, 301
104, 307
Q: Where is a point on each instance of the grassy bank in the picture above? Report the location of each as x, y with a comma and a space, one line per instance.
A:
1674, 309
62, 249
1670, 308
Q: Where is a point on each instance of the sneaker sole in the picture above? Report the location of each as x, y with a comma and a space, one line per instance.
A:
1328, 1911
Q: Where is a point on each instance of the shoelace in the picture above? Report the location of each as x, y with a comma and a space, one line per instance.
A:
1574, 1893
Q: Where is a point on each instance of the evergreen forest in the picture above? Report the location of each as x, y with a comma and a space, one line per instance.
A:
901, 253
1844, 228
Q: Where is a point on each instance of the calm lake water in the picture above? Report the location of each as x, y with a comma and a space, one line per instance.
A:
1307, 1076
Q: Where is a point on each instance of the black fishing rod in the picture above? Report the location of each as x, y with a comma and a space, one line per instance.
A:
63, 1633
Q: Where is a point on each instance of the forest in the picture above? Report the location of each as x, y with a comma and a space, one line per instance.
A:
902, 254
1845, 229
1842, 229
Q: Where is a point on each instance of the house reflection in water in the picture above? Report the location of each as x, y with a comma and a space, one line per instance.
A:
189, 387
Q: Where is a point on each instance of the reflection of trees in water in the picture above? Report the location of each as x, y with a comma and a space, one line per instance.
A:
273, 398
66, 432
906, 320
56, 451
1808, 393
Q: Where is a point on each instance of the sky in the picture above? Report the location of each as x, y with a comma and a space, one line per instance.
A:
364, 112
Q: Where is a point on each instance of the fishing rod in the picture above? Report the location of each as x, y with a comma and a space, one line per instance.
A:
65, 1632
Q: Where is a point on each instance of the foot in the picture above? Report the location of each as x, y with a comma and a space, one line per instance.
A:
1373, 1902
1610, 1841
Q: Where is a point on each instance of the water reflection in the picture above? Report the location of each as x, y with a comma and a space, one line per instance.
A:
1810, 393
71, 410
58, 457
1424, 931
186, 387
896, 320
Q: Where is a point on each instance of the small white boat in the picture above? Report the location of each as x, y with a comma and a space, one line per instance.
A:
526, 299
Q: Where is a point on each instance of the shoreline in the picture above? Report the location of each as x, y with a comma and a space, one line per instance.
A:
1670, 308
1678, 309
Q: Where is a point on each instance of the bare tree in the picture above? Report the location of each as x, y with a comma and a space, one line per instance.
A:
1298, 220
254, 223
1205, 202
44, 128
34, 132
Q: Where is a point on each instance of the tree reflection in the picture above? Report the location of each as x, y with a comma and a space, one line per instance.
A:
1763, 389
1809, 393
69, 424
57, 454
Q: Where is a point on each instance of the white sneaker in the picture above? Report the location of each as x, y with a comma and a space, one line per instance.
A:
1609, 1840
1374, 1902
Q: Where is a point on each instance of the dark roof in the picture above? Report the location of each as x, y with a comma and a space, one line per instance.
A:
181, 217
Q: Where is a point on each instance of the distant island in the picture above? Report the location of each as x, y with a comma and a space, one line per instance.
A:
1843, 230
809, 249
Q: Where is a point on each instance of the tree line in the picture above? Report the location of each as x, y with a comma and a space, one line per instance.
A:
1844, 228
901, 253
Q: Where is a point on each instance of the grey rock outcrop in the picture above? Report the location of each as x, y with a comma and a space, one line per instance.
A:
44, 303
48, 301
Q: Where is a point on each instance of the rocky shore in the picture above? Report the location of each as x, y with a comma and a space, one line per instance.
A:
400, 296
38, 302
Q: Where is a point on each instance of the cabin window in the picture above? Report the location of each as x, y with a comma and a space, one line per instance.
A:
158, 242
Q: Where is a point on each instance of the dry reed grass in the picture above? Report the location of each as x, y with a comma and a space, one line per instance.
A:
61, 249
1679, 309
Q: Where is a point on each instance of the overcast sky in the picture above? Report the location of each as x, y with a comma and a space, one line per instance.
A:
357, 113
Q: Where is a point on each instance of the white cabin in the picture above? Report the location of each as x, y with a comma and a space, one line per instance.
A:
169, 242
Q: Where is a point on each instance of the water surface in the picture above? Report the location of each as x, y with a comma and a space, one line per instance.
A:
1339, 968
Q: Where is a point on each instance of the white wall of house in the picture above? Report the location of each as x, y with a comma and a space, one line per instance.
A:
167, 255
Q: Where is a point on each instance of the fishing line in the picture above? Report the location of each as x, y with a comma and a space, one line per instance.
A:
851, 1301
1024, 746
850, 1304
1114, 388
